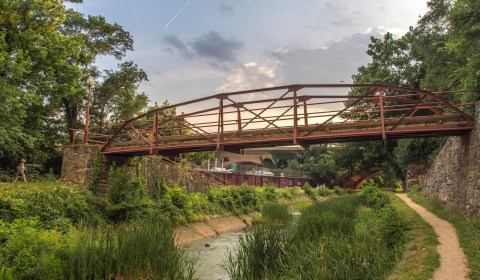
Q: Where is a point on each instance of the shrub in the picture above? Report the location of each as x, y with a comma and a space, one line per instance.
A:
339, 190
30, 252
372, 196
95, 175
270, 194
126, 195
309, 191
389, 226
324, 191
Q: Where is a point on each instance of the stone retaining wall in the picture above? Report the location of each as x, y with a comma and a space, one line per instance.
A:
210, 228
454, 175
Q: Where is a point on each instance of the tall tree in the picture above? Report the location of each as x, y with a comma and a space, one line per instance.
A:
116, 98
98, 38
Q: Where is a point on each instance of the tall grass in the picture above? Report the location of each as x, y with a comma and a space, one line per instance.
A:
337, 239
139, 250
275, 213
259, 254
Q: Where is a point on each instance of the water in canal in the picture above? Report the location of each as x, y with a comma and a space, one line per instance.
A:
212, 254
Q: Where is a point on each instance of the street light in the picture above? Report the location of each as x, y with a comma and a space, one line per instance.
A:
89, 84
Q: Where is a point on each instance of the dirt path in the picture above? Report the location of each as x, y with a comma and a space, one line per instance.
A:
453, 263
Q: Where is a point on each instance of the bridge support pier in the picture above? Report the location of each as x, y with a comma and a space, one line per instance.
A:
77, 162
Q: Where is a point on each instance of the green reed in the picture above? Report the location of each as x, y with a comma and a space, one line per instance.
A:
331, 240
139, 250
275, 213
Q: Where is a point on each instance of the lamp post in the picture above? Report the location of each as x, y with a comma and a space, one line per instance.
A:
89, 85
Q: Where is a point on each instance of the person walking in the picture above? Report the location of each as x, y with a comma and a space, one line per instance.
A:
21, 171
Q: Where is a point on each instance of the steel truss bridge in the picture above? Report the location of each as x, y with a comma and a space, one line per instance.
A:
295, 114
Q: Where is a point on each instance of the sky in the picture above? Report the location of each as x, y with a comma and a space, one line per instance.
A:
195, 48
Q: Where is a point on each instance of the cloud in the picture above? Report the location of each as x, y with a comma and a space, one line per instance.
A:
226, 8
247, 76
333, 63
178, 44
213, 45
219, 52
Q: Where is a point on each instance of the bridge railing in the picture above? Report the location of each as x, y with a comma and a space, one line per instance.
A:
95, 136
295, 114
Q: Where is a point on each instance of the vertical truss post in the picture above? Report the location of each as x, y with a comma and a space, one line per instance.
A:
220, 124
180, 125
239, 120
155, 132
295, 118
305, 114
382, 116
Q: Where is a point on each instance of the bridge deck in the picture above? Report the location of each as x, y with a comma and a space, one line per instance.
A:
423, 126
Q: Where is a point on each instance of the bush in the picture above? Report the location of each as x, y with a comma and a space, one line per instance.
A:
30, 252
339, 190
372, 196
309, 191
324, 191
126, 195
57, 206
389, 226
270, 194
95, 175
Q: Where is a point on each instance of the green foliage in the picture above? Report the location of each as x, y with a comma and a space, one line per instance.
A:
199, 158
324, 191
275, 213
141, 250
261, 254
28, 251
416, 150
116, 99
372, 196
126, 194
56, 206
320, 164
309, 191
96, 175
328, 217
339, 190
325, 233
270, 193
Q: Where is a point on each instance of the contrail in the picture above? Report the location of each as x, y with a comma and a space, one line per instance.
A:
176, 15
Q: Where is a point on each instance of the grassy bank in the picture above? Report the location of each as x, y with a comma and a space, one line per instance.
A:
468, 230
52, 230
420, 257
345, 237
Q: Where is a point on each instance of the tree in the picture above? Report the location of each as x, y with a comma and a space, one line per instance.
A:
116, 99
463, 43
320, 163
98, 38
34, 59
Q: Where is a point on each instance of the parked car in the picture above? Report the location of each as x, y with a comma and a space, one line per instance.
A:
221, 169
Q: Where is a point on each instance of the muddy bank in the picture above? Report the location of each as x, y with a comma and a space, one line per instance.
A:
210, 228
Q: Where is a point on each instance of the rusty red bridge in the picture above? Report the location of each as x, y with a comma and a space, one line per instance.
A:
296, 114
